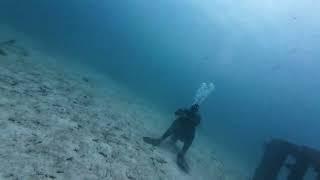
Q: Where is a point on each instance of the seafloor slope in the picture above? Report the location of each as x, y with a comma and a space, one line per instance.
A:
60, 121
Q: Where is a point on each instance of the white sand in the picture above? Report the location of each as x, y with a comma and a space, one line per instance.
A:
61, 121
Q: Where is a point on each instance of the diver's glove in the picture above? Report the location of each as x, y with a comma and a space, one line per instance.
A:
152, 141
182, 163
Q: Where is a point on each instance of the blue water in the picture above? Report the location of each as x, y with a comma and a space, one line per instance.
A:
262, 56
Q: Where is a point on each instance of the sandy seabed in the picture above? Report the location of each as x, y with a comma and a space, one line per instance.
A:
64, 121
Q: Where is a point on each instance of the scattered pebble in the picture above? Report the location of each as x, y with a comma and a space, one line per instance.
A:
69, 159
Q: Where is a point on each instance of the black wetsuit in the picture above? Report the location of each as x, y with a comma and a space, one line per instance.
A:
183, 128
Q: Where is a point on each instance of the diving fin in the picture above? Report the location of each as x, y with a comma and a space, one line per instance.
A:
181, 162
152, 141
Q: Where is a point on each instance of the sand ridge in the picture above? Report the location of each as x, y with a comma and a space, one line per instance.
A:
72, 123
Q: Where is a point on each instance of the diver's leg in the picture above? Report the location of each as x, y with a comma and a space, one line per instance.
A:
170, 130
157, 141
186, 145
174, 139
180, 158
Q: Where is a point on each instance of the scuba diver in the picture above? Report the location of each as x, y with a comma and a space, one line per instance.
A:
183, 129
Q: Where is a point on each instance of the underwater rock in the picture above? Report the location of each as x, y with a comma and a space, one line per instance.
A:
84, 100
85, 79
103, 154
8, 80
8, 43
44, 90
130, 176
3, 53
76, 150
25, 53
125, 137
12, 120
10, 175
11, 46
95, 140
158, 160
69, 159
59, 109
46, 175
